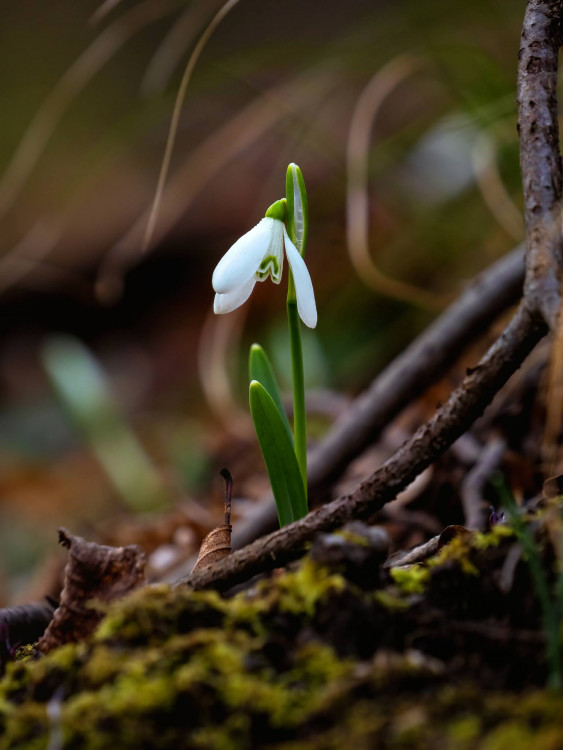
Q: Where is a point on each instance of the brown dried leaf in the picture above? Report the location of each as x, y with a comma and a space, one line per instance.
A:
553, 487
428, 549
215, 546
93, 573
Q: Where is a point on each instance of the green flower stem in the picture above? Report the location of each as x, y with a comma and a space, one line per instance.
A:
299, 415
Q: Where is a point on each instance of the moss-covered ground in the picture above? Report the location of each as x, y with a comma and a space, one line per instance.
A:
443, 655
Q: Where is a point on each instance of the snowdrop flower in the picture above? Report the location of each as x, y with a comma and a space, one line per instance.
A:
257, 255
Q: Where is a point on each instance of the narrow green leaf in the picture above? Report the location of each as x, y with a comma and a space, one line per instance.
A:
280, 460
260, 369
297, 220
85, 392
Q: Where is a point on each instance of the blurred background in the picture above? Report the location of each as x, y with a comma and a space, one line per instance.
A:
121, 394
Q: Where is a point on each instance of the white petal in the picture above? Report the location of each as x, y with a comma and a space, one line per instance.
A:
304, 292
241, 262
225, 303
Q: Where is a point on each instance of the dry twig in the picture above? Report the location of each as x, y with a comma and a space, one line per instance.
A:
405, 379
465, 404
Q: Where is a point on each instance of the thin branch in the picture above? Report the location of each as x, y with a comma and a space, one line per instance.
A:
406, 378
539, 154
451, 420
473, 485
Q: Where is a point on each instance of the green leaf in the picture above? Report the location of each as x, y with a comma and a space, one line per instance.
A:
260, 369
280, 460
85, 392
297, 220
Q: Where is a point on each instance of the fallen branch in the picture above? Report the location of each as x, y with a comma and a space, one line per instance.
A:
405, 379
451, 420
473, 485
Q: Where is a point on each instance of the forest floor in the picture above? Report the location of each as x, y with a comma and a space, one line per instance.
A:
446, 647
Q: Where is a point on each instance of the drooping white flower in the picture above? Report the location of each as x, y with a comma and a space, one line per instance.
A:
255, 256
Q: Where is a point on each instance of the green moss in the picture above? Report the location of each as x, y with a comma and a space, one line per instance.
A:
513, 735
102, 666
409, 726
25, 727
464, 731
166, 651
26, 653
167, 664
299, 592
492, 538
353, 538
150, 614
456, 551
391, 601
231, 735
411, 579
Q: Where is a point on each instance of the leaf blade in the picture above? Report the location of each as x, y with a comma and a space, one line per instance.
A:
279, 457
260, 369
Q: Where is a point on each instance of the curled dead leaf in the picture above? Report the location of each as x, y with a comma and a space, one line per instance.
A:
424, 551
93, 573
553, 487
217, 544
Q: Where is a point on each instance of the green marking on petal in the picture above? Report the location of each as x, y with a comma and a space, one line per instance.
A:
269, 267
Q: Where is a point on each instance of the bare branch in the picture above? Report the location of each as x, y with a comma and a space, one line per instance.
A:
473, 485
539, 154
451, 420
406, 378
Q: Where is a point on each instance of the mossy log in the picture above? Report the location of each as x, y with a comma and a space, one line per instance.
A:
437, 655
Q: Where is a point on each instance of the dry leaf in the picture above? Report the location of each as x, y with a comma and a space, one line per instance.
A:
93, 573
217, 544
424, 551
553, 487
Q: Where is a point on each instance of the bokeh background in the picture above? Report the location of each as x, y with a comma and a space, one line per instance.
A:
121, 394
